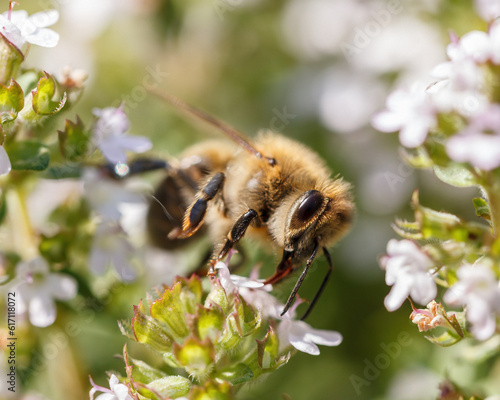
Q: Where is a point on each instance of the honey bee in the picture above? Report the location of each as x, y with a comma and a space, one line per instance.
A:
272, 187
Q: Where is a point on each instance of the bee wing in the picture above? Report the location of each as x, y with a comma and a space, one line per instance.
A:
232, 133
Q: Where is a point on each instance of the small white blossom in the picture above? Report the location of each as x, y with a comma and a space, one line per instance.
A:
109, 132
38, 289
107, 196
410, 112
110, 247
488, 9
478, 290
479, 142
18, 28
117, 390
302, 336
261, 299
232, 283
5, 165
407, 271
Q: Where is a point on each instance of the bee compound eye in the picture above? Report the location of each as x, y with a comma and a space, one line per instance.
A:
309, 206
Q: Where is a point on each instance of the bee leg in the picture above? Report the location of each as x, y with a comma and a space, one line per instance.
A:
236, 233
323, 284
138, 166
195, 214
296, 288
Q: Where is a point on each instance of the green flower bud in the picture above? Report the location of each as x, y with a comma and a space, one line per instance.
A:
196, 356
212, 391
171, 311
147, 330
10, 60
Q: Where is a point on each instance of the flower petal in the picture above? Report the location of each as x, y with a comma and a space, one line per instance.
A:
137, 144
397, 295
43, 19
42, 311
302, 345
112, 150
324, 337
98, 260
62, 287
387, 121
106, 396
423, 289
43, 37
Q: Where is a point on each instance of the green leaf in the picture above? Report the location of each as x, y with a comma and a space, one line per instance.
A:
456, 174
237, 374
267, 349
170, 386
11, 101
482, 208
62, 171
43, 95
446, 339
74, 140
417, 158
28, 155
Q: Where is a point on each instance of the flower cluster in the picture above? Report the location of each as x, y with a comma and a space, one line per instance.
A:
212, 341
459, 110
453, 126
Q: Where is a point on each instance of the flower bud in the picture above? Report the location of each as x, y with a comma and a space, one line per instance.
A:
10, 60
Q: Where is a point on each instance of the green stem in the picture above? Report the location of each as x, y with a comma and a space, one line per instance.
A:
492, 190
22, 235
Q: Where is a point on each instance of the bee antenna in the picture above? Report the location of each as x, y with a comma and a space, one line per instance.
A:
222, 126
165, 211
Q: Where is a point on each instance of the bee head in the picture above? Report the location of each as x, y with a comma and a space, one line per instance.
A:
315, 216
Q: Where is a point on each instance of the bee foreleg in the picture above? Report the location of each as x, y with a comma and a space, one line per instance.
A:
234, 235
296, 288
323, 284
195, 214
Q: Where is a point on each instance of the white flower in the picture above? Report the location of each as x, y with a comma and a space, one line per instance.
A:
407, 271
253, 291
111, 248
106, 196
18, 28
109, 132
478, 290
477, 46
38, 289
488, 9
232, 283
409, 111
117, 391
5, 165
479, 142
302, 336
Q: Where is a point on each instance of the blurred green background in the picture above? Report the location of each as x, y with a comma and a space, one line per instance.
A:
328, 64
